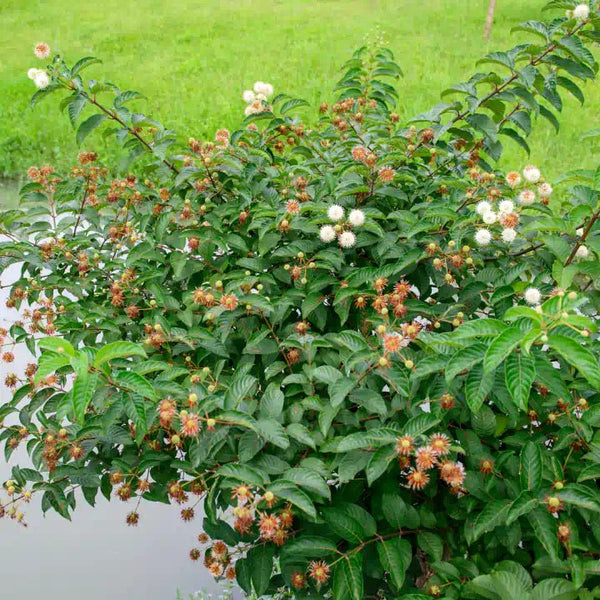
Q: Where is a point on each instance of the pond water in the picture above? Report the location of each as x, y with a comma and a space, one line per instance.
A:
95, 556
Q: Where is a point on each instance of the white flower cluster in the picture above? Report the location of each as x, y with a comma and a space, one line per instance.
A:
39, 77
507, 214
256, 99
533, 296
336, 213
581, 12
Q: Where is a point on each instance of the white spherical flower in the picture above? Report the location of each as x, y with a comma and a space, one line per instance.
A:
579, 231
545, 189
249, 96
356, 217
41, 80
489, 218
266, 89
582, 252
42, 50
483, 237
527, 197
483, 207
532, 174
533, 295
506, 206
31, 73
347, 239
509, 235
513, 179
327, 234
335, 212
581, 12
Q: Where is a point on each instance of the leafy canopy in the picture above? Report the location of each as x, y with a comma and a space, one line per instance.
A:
369, 354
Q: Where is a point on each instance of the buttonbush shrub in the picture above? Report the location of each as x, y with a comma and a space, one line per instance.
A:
368, 355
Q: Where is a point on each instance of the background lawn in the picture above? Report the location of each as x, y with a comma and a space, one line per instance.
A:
193, 58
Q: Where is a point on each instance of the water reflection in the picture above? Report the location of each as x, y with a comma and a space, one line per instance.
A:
96, 556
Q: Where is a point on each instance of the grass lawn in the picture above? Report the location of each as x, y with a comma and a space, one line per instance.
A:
193, 58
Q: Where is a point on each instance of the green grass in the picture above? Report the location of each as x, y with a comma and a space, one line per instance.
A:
193, 58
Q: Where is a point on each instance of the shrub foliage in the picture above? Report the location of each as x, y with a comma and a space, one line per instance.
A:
368, 353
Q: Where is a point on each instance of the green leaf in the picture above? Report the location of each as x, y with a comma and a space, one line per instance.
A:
581, 496
484, 124
241, 388
464, 359
491, 516
591, 472
555, 589
88, 126
235, 417
75, 107
326, 374
136, 383
136, 411
82, 392
271, 403
479, 328
307, 547
348, 579
310, 480
57, 345
501, 347
395, 556
84, 62
344, 524
432, 544
531, 467
49, 363
544, 526
272, 431
578, 356
339, 389
519, 372
373, 438
525, 503
301, 434
292, 493
260, 562
243, 473
117, 350
477, 387
291, 104
178, 260
379, 463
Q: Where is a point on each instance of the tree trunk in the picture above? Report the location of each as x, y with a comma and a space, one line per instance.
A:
489, 20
